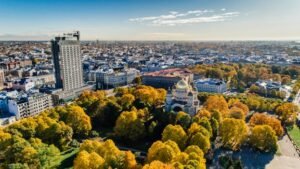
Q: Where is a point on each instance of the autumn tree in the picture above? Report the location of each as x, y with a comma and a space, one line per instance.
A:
76, 118
126, 101
264, 119
236, 103
32, 153
168, 153
263, 137
149, 96
203, 113
176, 134
5, 139
165, 152
195, 153
205, 123
111, 156
287, 113
87, 99
88, 160
50, 130
201, 141
218, 103
236, 113
158, 165
196, 128
192, 157
233, 133
129, 126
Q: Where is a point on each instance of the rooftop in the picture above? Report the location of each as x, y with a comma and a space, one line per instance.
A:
176, 72
210, 81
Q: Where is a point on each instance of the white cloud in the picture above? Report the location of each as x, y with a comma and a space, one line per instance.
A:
189, 17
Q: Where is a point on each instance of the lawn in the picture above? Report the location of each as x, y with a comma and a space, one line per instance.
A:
65, 160
295, 135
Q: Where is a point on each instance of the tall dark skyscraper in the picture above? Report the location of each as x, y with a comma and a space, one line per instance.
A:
67, 61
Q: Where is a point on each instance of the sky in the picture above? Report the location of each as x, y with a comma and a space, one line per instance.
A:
195, 20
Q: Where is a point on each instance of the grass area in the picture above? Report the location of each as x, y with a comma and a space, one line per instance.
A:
295, 135
65, 160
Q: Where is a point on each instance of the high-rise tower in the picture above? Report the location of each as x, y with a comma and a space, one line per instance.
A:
67, 61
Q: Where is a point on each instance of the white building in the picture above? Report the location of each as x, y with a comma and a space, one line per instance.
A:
67, 61
211, 85
24, 84
183, 97
29, 104
268, 84
111, 78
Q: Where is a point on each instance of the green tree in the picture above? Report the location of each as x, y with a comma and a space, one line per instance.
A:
183, 119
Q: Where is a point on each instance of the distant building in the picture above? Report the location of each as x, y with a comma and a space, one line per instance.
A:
68, 67
167, 78
211, 85
43, 79
111, 78
67, 61
270, 87
2, 79
15, 64
24, 84
24, 104
268, 84
183, 97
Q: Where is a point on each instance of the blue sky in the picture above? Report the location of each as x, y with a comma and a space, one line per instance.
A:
151, 19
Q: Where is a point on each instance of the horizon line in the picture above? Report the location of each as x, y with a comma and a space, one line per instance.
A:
159, 40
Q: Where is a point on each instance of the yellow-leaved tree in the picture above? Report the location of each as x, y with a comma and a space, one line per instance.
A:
176, 134
264, 138
233, 133
108, 155
218, 103
129, 126
264, 119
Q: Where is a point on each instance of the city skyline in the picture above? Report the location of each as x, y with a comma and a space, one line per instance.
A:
191, 20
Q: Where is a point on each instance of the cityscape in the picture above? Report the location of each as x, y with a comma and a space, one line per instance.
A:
178, 85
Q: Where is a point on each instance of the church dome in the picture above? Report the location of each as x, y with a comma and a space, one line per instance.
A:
182, 85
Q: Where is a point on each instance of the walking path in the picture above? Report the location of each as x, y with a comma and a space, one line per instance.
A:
289, 158
287, 148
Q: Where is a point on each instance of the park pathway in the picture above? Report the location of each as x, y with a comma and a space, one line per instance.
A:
287, 148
